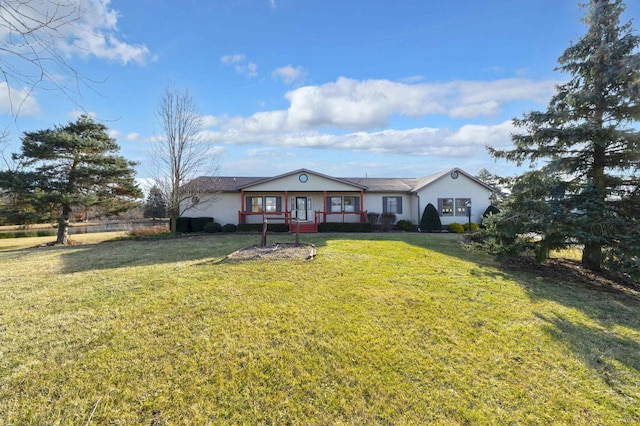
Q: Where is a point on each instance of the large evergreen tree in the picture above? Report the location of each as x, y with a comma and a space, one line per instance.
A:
584, 148
70, 166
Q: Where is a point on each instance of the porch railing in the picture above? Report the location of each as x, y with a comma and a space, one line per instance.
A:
286, 217
325, 216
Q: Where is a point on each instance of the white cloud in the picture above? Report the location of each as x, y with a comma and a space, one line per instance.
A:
290, 74
133, 136
77, 27
209, 121
466, 141
114, 134
240, 64
232, 59
364, 107
14, 100
367, 105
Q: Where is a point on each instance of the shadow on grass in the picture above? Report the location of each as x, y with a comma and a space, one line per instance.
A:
211, 247
599, 347
147, 252
599, 334
597, 342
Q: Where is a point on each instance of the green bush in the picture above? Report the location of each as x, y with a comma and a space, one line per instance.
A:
430, 221
474, 227
456, 228
344, 227
198, 223
229, 227
257, 227
212, 227
404, 225
183, 225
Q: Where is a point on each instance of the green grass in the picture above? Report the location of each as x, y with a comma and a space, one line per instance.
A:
379, 329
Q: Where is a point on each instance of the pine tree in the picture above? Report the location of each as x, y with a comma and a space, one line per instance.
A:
74, 165
584, 144
156, 205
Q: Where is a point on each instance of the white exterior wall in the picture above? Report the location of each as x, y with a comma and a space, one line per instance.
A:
463, 187
223, 210
292, 184
373, 203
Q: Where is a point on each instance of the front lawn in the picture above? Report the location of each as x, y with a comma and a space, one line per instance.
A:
378, 329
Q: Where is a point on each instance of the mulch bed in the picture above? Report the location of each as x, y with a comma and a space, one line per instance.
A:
277, 251
573, 273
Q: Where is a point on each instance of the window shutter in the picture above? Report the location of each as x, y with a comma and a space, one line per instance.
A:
248, 204
399, 205
328, 206
278, 204
440, 206
356, 201
384, 204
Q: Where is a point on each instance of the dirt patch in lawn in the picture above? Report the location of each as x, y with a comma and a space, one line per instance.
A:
277, 251
573, 273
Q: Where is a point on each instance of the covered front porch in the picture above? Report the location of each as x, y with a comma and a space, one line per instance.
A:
302, 211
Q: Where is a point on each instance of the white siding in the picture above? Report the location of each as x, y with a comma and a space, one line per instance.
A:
373, 203
292, 183
223, 210
463, 187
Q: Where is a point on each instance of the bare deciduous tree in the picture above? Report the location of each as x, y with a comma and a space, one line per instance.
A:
181, 154
32, 32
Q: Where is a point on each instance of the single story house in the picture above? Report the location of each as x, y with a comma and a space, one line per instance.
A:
310, 198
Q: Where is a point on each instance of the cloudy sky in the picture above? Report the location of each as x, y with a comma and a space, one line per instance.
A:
401, 88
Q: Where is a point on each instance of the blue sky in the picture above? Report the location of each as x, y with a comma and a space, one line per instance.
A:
346, 88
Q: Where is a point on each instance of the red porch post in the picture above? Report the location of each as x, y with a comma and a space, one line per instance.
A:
287, 220
324, 205
361, 205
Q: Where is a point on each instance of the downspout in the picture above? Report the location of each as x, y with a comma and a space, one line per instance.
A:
242, 217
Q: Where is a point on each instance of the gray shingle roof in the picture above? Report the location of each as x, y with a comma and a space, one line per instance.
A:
236, 183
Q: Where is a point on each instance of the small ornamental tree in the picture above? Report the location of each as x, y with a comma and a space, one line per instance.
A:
430, 221
71, 166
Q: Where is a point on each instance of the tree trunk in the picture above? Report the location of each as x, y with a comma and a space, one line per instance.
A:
592, 256
63, 226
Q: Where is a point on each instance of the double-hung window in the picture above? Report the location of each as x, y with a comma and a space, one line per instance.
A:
351, 204
334, 204
453, 206
263, 204
392, 205
254, 204
461, 206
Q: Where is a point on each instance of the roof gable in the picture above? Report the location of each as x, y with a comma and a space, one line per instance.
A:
429, 180
291, 181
